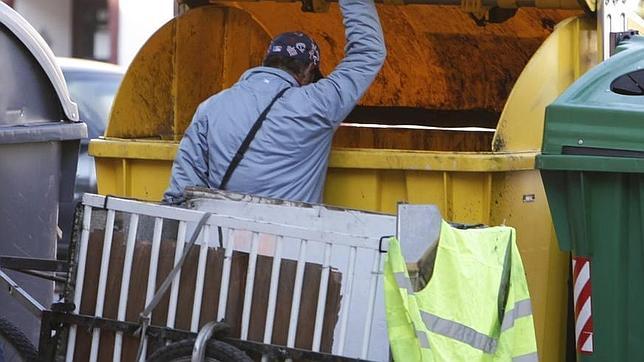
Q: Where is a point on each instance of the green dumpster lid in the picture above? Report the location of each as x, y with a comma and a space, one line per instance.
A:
600, 118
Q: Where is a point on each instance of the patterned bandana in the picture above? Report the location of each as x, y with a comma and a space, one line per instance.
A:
295, 45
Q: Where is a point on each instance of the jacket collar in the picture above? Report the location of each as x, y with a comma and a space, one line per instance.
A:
272, 73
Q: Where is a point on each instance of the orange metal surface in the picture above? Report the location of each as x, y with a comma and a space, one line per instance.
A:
438, 60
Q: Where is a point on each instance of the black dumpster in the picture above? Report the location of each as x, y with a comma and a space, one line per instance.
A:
39, 142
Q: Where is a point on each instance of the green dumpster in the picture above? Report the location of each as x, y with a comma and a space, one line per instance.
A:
592, 165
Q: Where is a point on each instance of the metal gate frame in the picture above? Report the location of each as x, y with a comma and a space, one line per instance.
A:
351, 229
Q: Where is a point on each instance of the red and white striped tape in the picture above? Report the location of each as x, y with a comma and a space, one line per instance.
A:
583, 309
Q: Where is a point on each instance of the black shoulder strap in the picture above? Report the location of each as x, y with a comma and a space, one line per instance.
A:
249, 138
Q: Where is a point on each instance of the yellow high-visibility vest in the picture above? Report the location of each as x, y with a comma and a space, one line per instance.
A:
475, 307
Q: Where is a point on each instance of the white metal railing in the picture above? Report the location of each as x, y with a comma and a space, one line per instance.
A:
344, 240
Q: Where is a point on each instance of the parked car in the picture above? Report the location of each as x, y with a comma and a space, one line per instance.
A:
92, 85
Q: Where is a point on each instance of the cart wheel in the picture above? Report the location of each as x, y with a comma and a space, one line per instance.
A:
14, 345
182, 352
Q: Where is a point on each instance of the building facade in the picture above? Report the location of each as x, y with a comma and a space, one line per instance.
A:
105, 30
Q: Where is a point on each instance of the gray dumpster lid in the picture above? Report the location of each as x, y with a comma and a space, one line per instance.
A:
42, 53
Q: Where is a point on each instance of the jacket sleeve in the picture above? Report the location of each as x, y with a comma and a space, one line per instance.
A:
190, 166
333, 97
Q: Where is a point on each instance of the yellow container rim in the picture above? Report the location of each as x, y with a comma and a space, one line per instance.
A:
354, 158
141, 149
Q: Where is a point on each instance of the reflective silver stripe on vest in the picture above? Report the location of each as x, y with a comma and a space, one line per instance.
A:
530, 357
522, 308
422, 339
403, 281
459, 332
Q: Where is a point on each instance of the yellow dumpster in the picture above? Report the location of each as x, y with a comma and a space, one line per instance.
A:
454, 119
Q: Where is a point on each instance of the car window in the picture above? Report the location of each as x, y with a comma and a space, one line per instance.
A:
94, 94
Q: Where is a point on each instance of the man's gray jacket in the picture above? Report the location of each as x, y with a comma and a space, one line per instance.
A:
288, 157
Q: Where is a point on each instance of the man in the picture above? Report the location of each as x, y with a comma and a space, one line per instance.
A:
288, 156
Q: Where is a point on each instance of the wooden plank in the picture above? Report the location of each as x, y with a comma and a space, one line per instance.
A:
306, 317
90, 287
212, 283
284, 298
236, 292
166, 263
260, 298
115, 270
186, 290
332, 312
136, 294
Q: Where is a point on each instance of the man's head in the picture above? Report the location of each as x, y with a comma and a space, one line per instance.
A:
297, 54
